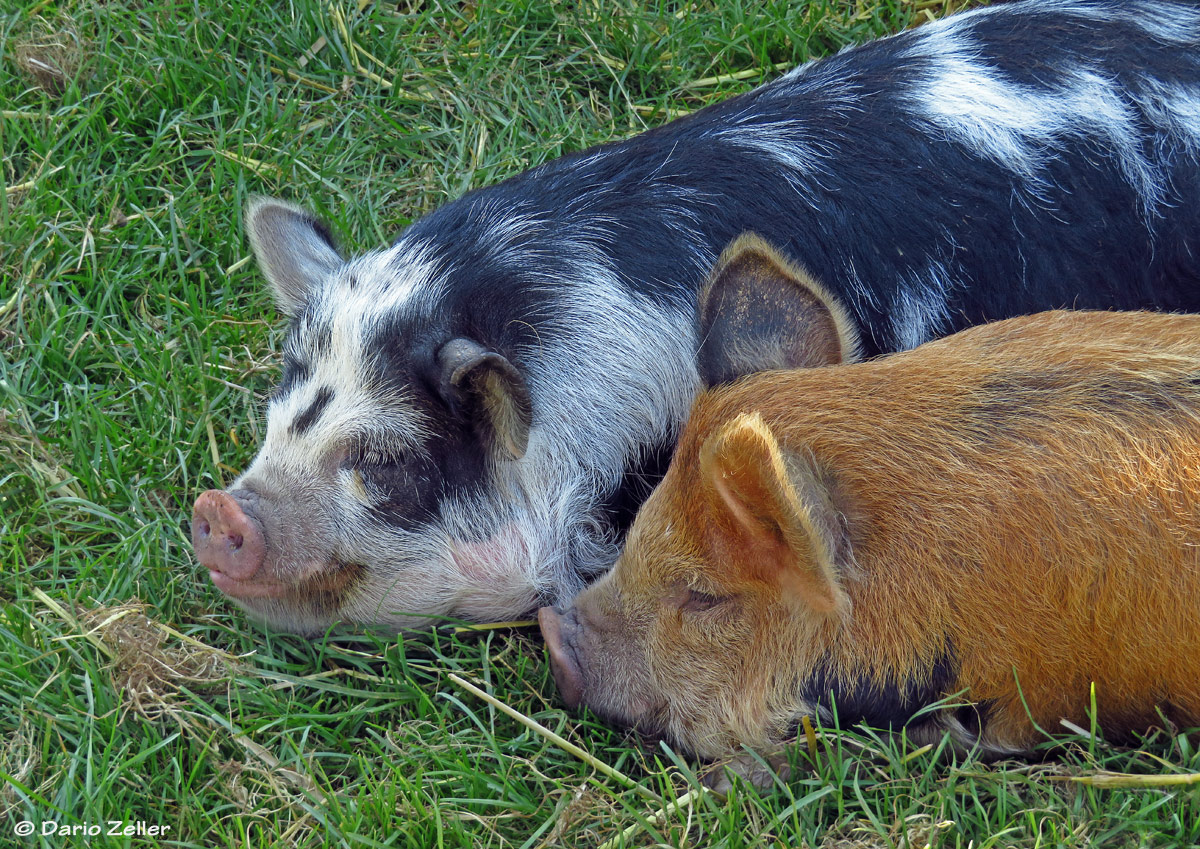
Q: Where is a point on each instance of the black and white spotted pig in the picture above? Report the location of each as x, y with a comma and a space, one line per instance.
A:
467, 418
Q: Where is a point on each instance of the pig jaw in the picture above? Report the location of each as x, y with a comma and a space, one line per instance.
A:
496, 575
360, 586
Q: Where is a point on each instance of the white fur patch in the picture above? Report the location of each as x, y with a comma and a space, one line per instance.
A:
920, 311
1019, 127
406, 276
1174, 110
1166, 22
789, 143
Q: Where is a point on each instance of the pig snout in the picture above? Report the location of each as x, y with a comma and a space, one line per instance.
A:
226, 540
563, 661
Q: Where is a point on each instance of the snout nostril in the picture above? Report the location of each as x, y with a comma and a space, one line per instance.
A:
203, 528
235, 541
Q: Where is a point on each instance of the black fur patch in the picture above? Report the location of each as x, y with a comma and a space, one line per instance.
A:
326, 593
638, 481
974, 717
888, 704
309, 417
1009, 404
407, 487
308, 338
295, 372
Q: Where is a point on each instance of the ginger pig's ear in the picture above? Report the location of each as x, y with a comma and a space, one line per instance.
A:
784, 525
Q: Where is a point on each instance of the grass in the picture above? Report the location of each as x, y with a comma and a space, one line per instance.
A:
137, 347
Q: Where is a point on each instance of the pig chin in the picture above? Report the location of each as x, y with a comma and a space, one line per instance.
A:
323, 578
304, 604
649, 717
247, 592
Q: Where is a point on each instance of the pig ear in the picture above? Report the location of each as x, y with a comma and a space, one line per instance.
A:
294, 250
488, 388
758, 311
786, 530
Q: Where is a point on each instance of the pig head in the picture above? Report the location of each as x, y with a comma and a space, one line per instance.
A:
417, 464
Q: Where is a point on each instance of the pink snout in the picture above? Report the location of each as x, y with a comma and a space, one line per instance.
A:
563, 663
226, 540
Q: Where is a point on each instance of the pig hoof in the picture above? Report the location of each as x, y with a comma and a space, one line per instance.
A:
761, 772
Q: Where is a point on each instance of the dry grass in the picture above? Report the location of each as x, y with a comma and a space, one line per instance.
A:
50, 54
151, 663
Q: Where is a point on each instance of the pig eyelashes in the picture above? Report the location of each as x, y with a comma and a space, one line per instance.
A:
698, 602
365, 454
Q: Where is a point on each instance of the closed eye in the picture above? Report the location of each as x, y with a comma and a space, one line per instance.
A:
698, 602
365, 454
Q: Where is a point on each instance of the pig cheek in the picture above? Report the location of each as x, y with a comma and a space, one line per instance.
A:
497, 574
616, 692
717, 688
318, 536
689, 676
633, 698
643, 695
